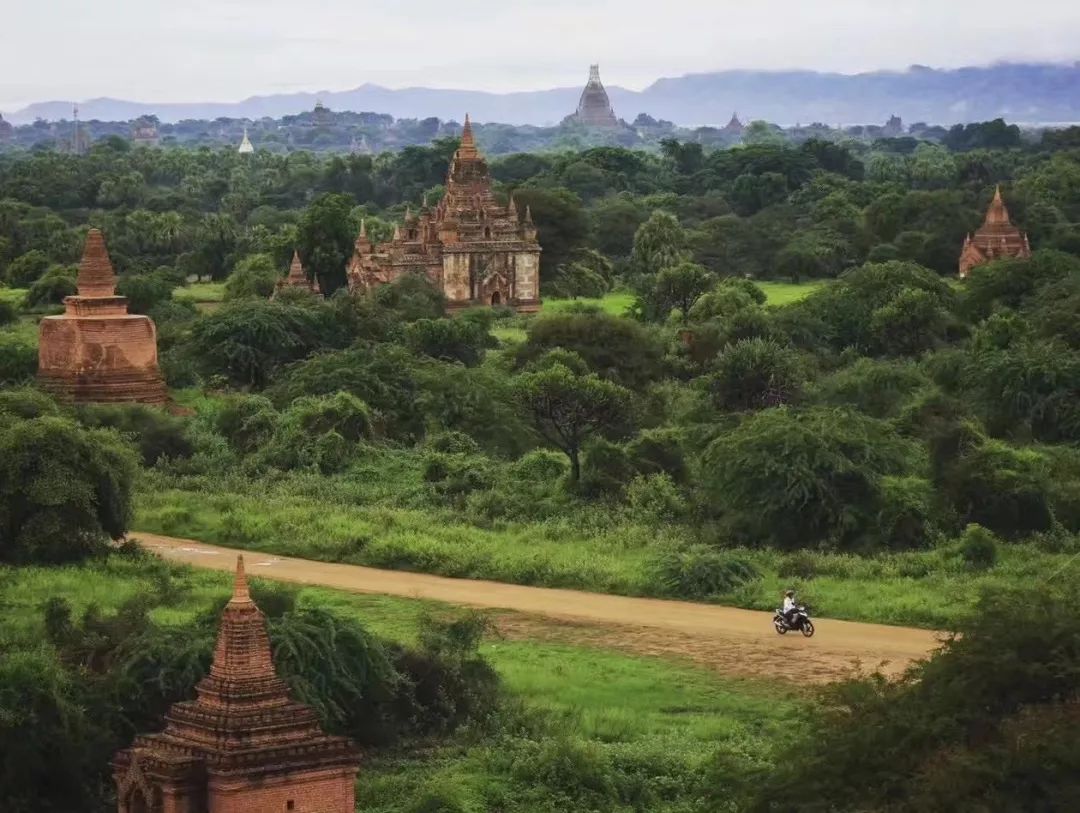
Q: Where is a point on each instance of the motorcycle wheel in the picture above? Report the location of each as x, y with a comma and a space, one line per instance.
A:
808, 628
780, 628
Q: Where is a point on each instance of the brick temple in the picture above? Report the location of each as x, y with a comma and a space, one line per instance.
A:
297, 279
96, 351
594, 107
997, 238
242, 746
472, 248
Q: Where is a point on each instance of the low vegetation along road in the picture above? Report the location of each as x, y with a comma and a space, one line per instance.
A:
733, 641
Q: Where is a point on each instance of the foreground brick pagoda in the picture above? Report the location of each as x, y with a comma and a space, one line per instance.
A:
96, 351
997, 238
476, 251
242, 746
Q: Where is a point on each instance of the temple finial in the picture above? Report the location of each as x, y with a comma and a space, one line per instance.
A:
241, 594
528, 214
468, 142
363, 227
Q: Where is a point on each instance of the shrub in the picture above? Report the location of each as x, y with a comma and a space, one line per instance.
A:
253, 278
57, 283
64, 489
156, 433
27, 269
8, 312
701, 572
145, 291
18, 359
755, 374
654, 498
978, 547
246, 421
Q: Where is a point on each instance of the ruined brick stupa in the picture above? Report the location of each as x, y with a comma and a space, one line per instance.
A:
96, 351
242, 745
594, 107
297, 279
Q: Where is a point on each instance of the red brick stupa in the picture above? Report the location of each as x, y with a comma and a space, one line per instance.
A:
297, 278
997, 238
242, 746
96, 351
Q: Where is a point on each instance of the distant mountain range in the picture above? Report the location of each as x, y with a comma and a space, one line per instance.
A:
1019, 92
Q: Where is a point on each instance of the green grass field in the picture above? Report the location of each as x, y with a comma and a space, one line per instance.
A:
370, 518
784, 293
16, 296
617, 302
655, 726
201, 292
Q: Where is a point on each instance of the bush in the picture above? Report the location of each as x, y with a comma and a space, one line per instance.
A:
156, 433
654, 498
246, 421
145, 291
755, 374
18, 359
57, 283
64, 489
27, 269
701, 572
8, 312
253, 278
978, 547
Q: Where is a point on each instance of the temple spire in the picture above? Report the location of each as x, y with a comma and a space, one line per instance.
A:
997, 214
363, 227
96, 276
467, 149
241, 594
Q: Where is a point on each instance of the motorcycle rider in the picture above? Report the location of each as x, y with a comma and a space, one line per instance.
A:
790, 609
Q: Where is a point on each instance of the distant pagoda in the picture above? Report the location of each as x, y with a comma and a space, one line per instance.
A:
96, 351
144, 132
297, 279
997, 238
594, 109
242, 745
245, 145
734, 127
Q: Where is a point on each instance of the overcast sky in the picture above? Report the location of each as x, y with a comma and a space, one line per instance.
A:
223, 50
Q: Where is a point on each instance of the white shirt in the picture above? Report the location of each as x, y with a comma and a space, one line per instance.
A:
789, 603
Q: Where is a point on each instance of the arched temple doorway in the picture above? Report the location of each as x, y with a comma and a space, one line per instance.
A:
496, 298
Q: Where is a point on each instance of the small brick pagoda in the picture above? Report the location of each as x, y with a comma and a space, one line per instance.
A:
242, 746
997, 238
96, 351
473, 249
594, 107
297, 279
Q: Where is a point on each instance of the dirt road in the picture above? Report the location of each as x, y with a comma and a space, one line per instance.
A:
733, 641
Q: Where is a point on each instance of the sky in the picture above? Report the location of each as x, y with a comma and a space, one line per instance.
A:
225, 50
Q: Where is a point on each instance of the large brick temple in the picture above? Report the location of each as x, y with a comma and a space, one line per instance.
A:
242, 746
96, 351
594, 107
997, 238
472, 248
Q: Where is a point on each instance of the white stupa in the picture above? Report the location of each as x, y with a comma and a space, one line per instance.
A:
245, 145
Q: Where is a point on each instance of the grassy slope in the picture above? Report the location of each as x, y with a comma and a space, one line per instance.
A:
16, 296
366, 518
627, 707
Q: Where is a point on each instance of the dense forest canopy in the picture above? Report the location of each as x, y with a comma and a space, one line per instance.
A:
888, 438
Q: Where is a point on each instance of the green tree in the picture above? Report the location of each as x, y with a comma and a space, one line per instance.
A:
677, 287
659, 242
27, 269
325, 237
64, 489
755, 374
253, 277
567, 408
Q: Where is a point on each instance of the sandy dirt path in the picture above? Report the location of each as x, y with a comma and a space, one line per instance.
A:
733, 641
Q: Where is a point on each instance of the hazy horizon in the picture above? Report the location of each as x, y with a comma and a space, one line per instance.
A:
230, 50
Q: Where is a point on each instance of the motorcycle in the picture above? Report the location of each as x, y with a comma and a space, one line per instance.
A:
802, 622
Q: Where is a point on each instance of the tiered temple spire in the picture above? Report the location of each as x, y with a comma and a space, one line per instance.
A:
96, 351
242, 744
594, 108
997, 238
297, 278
